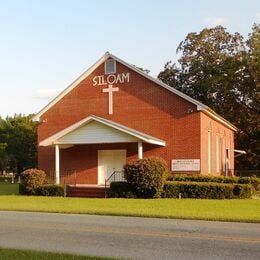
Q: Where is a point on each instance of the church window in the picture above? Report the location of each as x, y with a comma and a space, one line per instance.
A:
110, 66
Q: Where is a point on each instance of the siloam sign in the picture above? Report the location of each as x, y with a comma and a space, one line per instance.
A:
111, 79
185, 165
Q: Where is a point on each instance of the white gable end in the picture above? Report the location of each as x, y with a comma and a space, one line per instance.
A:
96, 133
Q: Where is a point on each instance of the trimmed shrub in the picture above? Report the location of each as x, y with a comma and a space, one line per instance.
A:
257, 190
203, 178
249, 180
147, 176
121, 190
31, 180
218, 179
243, 191
50, 190
207, 190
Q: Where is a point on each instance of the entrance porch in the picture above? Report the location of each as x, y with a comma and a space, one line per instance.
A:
95, 148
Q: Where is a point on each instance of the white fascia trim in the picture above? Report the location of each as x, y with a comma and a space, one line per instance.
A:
220, 119
160, 143
52, 139
70, 87
146, 138
199, 105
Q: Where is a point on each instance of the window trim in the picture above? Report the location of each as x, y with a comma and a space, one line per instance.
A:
106, 62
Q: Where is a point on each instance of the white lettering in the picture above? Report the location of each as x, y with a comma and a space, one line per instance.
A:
99, 80
118, 79
103, 81
95, 81
125, 76
111, 79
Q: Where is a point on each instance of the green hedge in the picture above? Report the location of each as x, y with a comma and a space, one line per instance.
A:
249, 180
51, 190
207, 190
44, 190
219, 179
121, 190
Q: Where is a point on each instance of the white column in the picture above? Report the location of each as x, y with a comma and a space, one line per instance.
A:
140, 150
224, 155
57, 164
209, 152
217, 153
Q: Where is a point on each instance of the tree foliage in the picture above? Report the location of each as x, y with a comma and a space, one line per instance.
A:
222, 70
18, 143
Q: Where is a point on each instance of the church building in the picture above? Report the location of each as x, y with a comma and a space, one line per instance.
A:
115, 112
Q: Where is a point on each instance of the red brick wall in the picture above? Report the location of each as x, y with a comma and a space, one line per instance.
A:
85, 160
139, 104
226, 141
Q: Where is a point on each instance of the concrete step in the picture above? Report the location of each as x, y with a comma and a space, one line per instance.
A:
86, 192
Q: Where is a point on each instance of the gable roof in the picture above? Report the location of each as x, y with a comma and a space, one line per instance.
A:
54, 139
107, 55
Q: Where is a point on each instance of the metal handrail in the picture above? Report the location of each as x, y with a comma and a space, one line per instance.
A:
106, 180
66, 177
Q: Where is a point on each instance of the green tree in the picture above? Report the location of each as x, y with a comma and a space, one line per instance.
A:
249, 137
3, 157
222, 71
18, 133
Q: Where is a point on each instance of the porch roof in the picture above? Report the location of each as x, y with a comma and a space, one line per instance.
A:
94, 129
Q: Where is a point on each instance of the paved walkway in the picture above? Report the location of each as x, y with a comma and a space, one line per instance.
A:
129, 237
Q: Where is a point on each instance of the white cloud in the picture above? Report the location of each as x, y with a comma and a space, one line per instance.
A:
214, 21
48, 93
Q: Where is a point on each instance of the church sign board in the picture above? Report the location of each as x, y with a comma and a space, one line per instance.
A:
185, 165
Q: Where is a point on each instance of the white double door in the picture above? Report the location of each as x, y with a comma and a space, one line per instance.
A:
108, 162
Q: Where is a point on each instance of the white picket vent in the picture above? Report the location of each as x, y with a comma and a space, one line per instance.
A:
110, 66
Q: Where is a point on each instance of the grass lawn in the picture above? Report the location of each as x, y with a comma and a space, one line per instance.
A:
9, 189
11, 254
247, 210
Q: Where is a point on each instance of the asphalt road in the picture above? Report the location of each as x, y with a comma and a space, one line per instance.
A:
128, 237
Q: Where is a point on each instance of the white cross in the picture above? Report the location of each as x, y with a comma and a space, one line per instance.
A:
110, 91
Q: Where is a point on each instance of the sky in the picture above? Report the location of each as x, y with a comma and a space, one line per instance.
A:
46, 45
